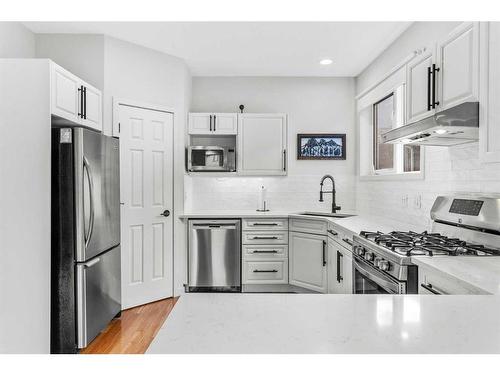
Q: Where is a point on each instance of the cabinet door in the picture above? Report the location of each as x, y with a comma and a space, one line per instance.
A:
418, 87
347, 271
335, 283
225, 123
307, 259
200, 123
262, 140
458, 61
64, 94
489, 129
93, 108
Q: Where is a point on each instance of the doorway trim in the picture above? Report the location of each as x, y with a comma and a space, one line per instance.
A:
115, 130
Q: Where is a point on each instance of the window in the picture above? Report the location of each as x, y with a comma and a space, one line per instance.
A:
383, 121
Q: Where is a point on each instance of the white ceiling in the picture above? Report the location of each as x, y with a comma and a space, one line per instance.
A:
252, 48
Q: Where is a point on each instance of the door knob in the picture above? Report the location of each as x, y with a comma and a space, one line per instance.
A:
165, 213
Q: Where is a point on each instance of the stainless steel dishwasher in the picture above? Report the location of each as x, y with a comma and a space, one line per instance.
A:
214, 256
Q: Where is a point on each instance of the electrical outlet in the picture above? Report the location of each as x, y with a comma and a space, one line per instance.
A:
418, 201
404, 200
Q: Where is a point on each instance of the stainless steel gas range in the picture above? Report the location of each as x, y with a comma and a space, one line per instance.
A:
461, 226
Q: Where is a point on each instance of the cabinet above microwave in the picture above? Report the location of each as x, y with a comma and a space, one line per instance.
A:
213, 123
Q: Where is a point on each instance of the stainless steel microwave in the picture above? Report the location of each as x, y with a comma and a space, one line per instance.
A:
210, 159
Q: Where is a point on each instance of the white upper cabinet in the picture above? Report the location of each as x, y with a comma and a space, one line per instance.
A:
458, 64
213, 123
308, 261
444, 75
75, 100
65, 93
489, 128
262, 144
419, 82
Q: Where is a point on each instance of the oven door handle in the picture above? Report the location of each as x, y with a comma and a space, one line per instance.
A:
390, 286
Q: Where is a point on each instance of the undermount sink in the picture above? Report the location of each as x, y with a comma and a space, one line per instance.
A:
326, 214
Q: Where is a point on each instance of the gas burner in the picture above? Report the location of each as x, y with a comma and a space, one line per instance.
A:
425, 243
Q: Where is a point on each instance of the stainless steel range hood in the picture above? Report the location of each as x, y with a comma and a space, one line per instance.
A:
453, 126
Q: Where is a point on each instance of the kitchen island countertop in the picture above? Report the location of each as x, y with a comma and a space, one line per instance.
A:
313, 323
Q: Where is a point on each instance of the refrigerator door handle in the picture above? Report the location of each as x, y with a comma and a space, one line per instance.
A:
86, 166
92, 262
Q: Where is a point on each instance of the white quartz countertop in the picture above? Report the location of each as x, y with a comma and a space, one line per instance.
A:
314, 323
481, 272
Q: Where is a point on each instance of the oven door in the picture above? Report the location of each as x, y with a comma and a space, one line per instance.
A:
368, 280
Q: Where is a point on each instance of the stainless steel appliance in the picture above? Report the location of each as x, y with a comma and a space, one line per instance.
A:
211, 159
453, 126
85, 275
214, 255
462, 226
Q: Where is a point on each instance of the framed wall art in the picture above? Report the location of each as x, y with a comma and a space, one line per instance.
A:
321, 147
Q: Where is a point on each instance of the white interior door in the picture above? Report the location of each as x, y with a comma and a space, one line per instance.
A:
146, 172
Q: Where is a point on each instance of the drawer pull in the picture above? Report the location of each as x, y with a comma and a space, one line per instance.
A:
265, 251
348, 241
332, 232
265, 271
431, 289
265, 224
265, 238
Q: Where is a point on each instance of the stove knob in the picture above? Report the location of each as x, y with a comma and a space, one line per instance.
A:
368, 256
384, 265
376, 262
360, 251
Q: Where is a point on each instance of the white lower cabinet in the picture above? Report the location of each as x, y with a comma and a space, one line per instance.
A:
339, 268
308, 263
431, 281
265, 251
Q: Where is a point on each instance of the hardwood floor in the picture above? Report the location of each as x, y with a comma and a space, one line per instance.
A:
133, 331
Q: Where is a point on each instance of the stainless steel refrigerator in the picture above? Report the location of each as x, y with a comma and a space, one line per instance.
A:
85, 273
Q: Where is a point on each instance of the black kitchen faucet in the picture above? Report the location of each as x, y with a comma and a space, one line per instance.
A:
335, 208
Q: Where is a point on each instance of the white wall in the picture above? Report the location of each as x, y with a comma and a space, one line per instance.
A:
24, 206
313, 105
448, 170
16, 40
81, 54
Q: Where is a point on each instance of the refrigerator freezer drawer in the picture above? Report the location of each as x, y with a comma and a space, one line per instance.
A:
98, 294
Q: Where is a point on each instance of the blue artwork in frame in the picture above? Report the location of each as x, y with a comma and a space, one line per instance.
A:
321, 147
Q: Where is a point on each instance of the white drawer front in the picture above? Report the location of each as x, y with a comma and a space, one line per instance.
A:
430, 280
265, 272
265, 251
261, 224
308, 226
271, 238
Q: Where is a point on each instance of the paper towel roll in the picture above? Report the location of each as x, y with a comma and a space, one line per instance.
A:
262, 198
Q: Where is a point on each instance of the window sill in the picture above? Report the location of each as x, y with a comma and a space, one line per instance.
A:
394, 176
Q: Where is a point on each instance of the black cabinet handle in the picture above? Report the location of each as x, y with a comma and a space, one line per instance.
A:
265, 251
430, 288
434, 71
85, 103
215, 121
324, 253
265, 238
339, 260
210, 122
332, 232
264, 224
262, 271
429, 73
348, 241
80, 92
284, 160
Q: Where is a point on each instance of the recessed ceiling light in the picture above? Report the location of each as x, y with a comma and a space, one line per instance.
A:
326, 61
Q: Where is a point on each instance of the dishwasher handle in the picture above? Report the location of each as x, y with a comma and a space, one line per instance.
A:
214, 226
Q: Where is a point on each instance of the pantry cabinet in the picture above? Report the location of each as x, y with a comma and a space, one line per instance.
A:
213, 123
74, 100
444, 74
308, 261
262, 144
489, 128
